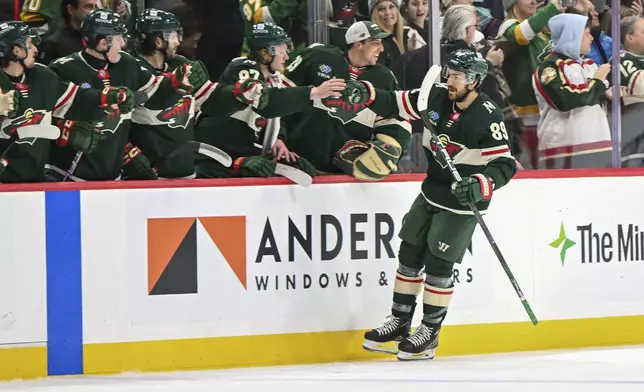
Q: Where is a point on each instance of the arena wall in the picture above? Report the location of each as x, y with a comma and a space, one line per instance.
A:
146, 276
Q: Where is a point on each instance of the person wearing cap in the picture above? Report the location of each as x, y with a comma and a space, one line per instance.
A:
386, 14
336, 137
525, 30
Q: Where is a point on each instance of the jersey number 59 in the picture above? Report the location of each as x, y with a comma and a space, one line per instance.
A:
498, 131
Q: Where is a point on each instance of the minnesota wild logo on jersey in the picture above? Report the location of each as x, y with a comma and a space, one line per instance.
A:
341, 110
111, 123
29, 117
452, 147
179, 115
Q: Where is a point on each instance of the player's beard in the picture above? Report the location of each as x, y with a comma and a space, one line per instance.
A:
459, 95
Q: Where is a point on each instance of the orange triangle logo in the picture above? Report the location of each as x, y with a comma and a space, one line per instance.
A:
229, 234
164, 237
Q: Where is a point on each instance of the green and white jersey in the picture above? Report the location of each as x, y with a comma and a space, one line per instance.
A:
475, 139
43, 95
321, 130
105, 162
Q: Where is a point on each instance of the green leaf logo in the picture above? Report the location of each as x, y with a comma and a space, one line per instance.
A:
564, 242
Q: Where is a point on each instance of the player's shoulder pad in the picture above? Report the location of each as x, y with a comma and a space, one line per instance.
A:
41, 69
489, 107
321, 50
125, 56
240, 64
60, 62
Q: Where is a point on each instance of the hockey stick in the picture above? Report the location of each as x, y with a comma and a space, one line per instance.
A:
39, 131
270, 137
199, 148
140, 98
423, 96
49, 132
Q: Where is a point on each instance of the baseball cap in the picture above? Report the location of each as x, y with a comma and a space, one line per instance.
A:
360, 31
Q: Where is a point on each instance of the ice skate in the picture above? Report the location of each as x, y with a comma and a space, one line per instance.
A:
421, 345
385, 339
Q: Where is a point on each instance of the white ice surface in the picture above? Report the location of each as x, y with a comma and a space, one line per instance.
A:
606, 370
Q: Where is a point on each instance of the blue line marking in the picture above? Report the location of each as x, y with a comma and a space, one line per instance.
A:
64, 283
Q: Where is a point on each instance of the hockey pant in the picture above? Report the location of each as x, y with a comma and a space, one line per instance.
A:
433, 239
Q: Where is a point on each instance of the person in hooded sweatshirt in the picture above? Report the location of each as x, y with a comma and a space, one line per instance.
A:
573, 130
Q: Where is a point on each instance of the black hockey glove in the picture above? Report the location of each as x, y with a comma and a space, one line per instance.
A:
251, 92
79, 135
123, 97
136, 166
359, 92
370, 161
255, 166
471, 190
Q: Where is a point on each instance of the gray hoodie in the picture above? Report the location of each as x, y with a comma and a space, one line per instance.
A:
567, 31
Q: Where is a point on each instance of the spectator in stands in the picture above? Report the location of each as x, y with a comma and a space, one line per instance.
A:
459, 30
632, 79
628, 8
446, 4
602, 45
386, 14
573, 129
416, 12
68, 39
527, 37
121, 7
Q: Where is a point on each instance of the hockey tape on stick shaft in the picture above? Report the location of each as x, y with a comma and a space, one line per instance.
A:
273, 125
270, 135
428, 82
72, 168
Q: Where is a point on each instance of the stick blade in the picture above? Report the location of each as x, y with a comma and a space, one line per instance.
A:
215, 153
294, 174
431, 78
39, 131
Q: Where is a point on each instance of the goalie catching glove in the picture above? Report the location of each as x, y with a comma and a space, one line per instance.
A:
471, 190
371, 161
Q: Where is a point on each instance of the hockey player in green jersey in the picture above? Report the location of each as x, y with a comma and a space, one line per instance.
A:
241, 133
319, 132
103, 64
159, 132
42, 94
439, 226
